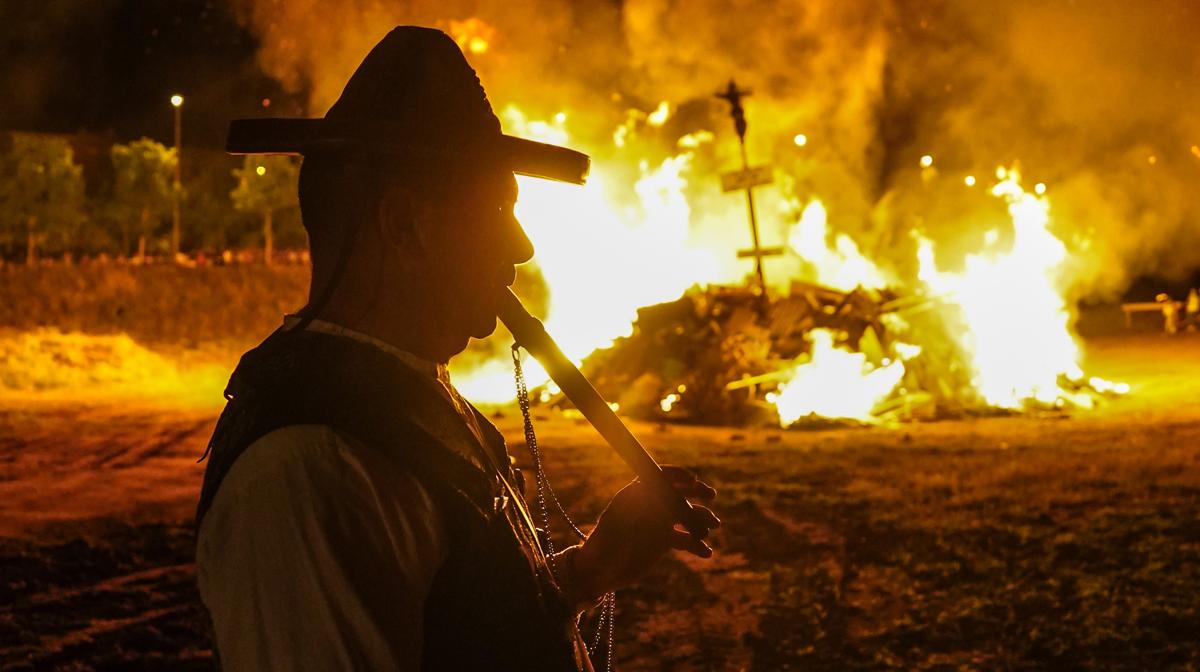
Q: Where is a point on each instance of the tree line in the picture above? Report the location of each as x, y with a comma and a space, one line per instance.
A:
47, 208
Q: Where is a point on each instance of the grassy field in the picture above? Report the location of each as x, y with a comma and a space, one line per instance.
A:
162, 304
1048, 542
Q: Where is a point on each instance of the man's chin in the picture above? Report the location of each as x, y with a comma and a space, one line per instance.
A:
484, 327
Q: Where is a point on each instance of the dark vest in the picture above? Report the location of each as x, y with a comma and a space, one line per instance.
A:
493, 604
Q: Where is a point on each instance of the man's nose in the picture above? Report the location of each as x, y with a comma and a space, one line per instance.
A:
521, 247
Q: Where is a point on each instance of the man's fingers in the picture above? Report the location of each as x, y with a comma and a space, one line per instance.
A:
698, 490
678, 475
711, 521
687, 484
682, 541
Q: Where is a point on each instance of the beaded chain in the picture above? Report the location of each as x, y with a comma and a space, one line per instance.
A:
545, 495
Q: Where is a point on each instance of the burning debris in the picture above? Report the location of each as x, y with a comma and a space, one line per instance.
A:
819, 355
848, 339
712, 357
994, 336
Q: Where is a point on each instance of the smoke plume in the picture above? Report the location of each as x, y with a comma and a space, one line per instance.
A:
1089, 98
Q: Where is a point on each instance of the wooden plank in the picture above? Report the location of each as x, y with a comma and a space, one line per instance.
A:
754, 176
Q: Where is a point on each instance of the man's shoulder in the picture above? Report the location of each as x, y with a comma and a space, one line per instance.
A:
316, 455
298, 444
315, 473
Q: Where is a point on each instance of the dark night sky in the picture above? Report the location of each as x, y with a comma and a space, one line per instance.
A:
110, 66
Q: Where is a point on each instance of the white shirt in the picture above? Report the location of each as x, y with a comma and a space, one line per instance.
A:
318, 553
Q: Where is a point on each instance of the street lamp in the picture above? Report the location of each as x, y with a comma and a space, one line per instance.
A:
177, 103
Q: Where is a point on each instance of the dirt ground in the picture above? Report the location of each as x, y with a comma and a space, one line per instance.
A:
1064, 541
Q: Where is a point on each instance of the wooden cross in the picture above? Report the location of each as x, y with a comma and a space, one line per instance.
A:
746, 180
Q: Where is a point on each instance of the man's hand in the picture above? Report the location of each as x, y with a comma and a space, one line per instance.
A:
635, 531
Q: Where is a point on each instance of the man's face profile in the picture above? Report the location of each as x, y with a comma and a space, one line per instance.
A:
463, 251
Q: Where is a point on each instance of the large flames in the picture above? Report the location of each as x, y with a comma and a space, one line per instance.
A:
601, 260
621, 243
1010, 309
1005, 310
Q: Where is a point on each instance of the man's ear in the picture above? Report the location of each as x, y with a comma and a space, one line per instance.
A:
397, 220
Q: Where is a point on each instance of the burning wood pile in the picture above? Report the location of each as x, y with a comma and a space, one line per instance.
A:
916, 319
847, 341
715, 354
815, 357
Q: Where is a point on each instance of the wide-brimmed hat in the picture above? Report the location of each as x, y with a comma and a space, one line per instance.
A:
416, 98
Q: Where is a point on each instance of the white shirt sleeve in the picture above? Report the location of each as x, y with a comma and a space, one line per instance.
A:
318, 553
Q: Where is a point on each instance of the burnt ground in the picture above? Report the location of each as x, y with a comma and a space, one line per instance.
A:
1048, 542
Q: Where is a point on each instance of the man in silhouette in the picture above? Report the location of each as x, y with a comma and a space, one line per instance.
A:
357, 512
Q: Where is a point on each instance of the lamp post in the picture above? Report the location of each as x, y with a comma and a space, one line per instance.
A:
177, 103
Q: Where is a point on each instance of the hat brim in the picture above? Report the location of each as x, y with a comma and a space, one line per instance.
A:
304, 136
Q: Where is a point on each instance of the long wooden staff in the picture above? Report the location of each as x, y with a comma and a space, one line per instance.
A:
531, 335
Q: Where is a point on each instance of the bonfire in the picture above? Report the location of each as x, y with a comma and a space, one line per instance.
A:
843, 338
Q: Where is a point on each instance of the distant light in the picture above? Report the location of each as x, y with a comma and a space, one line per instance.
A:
668, 402
1001, 173
477, 45
261, 170
926, 161
1196, 151
560, 118
1039, 188
266, 102
1152, 159
969, 180
800, 139
176, 100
